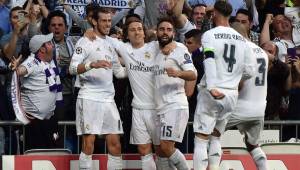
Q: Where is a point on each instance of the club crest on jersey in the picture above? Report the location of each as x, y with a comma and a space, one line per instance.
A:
108, 58
147, 55
110, 50
87, 127
187, 59
78, 50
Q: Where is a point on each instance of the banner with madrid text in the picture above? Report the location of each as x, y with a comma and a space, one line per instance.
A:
79, 5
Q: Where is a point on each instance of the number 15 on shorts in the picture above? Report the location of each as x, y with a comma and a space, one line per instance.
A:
167, 131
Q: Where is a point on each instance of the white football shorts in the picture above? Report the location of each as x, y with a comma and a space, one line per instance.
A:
99, 118
144, 127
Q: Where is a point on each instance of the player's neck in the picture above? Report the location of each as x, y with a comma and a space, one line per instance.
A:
286, 36
99, 34
137, 45
222, 22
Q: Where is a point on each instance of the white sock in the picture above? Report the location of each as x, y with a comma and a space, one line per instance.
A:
114, 162
260, 158
200, 157
178, 160
162, 163
148, 162
214, 153
85, 161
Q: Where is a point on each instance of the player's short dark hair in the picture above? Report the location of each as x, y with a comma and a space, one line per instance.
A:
100, 10
132, 16
165, 19
195, 33
17, 8
56, 13
197, 5
91, 8
245, 12
223, 7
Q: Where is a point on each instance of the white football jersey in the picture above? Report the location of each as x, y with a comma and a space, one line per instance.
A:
140, 67
252, 96
169, 91
96, 84
232, 58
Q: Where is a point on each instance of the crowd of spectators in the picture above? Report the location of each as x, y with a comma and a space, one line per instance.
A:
273, 25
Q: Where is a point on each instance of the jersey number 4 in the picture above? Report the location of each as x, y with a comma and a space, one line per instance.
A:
229, 59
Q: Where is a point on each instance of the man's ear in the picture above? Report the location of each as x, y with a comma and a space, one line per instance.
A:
94, 22
251, 24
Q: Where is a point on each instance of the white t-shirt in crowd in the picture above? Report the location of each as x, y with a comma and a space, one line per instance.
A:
37, 99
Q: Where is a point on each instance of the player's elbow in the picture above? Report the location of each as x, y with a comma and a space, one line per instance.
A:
193, 75
189, 92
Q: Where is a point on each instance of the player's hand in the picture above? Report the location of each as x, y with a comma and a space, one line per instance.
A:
101, 64
90, 34
172, 72
216, 94
33, 16
168, 48
290, 60
269, 18
15, 62
18, 27
170, 5
297, 64
61, 2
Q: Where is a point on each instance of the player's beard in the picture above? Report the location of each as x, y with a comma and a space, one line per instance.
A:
163, 43
102, 31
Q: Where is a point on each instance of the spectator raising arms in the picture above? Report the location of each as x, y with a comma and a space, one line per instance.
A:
40, 92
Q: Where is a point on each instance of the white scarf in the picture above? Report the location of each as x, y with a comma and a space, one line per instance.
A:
20, 113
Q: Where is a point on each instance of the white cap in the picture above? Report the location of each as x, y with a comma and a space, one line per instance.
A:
38, 40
